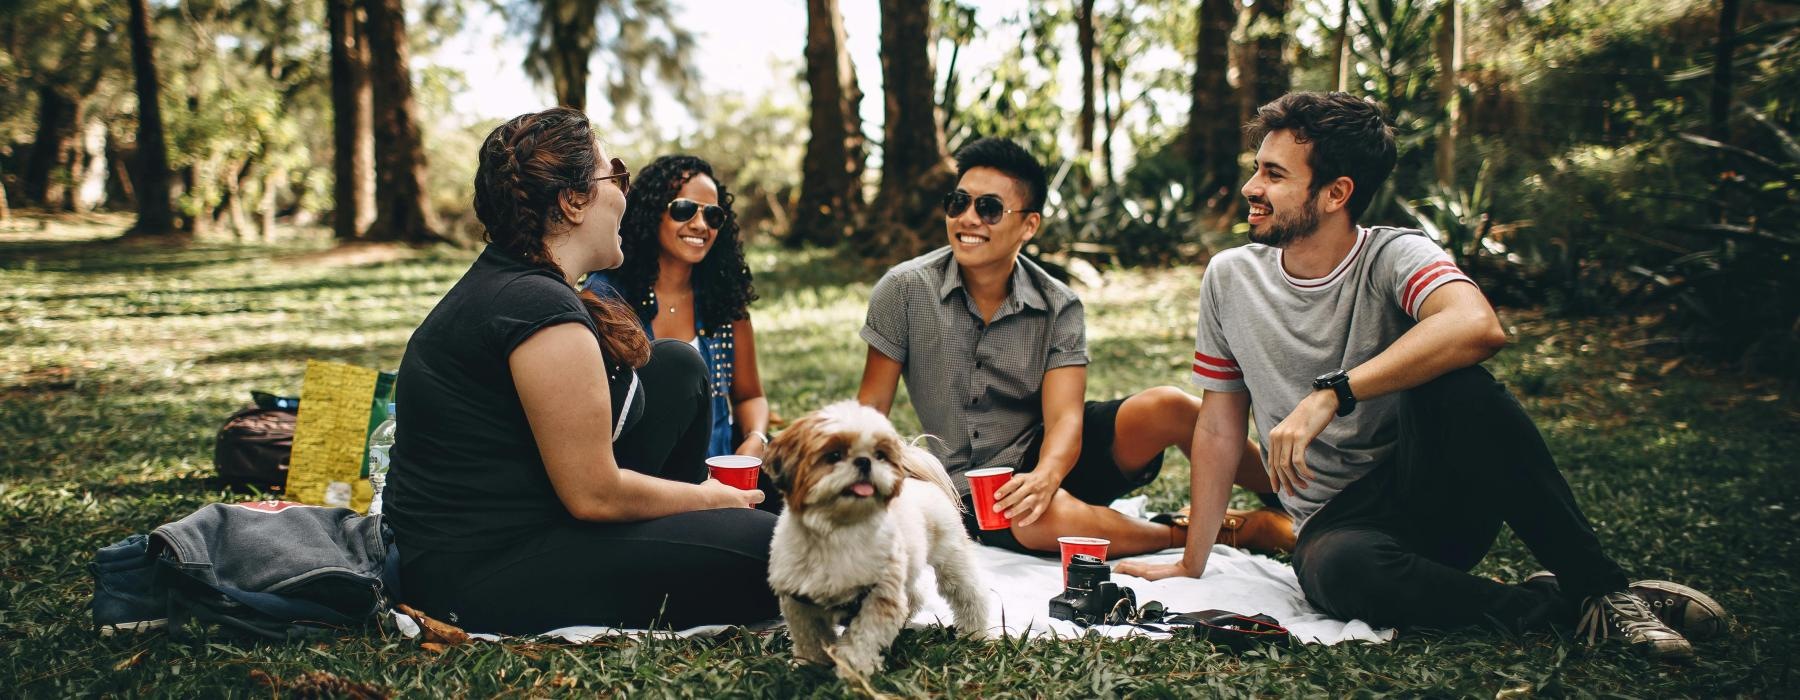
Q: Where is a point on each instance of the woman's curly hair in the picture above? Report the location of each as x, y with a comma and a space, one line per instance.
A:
525, 165
722, 279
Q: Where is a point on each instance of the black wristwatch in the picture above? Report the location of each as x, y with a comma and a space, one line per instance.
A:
1338, 381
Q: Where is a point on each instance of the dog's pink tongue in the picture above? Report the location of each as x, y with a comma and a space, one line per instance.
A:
862, 488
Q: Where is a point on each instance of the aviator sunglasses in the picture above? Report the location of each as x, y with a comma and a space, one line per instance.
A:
681, 210
987, 206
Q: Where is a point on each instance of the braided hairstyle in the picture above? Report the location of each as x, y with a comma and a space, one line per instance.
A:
525, 166
722, 279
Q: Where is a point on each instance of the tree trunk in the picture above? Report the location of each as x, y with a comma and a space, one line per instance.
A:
89, 181
1212, 139
576, 36
402, 212
1084, 41
5, 209
271, 182
1110, 108
1719, 112
1449, 55
1270, 77
915, 171
831, 182
38, 184
155, 215
353, 140
1340, 62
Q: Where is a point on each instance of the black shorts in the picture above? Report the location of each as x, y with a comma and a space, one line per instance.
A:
1096, 478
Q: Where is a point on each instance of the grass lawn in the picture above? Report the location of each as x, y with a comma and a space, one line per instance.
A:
122, 358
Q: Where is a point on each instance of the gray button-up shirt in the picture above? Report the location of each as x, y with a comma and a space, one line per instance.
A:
977, 386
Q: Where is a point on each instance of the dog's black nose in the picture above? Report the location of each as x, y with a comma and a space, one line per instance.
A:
862, 464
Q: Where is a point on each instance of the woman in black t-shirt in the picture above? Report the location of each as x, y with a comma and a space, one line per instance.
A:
543, 479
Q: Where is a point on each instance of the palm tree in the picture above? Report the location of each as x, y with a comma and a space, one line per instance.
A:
565, 34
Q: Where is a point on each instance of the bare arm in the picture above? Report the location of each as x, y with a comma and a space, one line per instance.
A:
562, 385
1025, 497
750, 408
1218, 447
1457, 328
881, 378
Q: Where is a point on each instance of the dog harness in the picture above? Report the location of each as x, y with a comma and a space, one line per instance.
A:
850, 607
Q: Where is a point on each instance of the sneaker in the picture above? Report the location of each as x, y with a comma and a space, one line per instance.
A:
1689, 612
1625, 617
1692, 613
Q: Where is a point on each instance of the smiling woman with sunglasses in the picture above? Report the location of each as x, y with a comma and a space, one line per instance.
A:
684, 274
543, 479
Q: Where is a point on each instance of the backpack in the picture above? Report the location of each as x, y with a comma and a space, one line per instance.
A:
253, 446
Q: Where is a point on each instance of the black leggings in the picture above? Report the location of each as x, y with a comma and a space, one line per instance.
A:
1394, 548
695, 568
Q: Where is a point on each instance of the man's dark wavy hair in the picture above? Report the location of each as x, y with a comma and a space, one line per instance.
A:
722, 279
1350, 137
1007, 157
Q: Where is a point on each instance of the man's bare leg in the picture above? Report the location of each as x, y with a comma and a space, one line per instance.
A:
1148, 423
1163, 417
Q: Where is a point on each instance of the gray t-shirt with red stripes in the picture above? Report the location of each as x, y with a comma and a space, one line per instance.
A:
1264, 331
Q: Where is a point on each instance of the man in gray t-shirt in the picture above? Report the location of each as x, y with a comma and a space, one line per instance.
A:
1400, 457
994, 353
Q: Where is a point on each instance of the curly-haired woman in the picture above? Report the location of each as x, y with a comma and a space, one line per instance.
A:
685, 275
509, 515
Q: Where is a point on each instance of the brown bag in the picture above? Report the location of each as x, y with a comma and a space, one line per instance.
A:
253, 448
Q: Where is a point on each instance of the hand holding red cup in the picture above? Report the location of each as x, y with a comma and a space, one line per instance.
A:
738, 471
982, 485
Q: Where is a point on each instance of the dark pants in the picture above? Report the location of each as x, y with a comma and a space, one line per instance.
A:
1394, 548
695, 568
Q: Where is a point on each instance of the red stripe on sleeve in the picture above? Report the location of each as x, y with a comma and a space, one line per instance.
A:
1219, 362
1211, 373
1414, 295
1412, 283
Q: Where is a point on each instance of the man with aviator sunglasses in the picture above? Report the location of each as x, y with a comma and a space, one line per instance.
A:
994, 352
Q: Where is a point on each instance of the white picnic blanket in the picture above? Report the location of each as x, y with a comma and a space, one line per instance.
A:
1020, 587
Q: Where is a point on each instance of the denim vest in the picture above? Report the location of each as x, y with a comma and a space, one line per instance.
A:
717, 349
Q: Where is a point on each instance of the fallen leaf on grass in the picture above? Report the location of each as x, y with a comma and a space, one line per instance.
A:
129, 662
434, 631
319, 684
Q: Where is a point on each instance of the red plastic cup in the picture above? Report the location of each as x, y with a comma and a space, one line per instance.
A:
1071, 546
739, 471
982, 485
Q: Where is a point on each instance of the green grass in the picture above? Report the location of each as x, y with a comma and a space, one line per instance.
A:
121, 359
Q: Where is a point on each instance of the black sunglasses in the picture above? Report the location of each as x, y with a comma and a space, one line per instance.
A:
681, 210
620, 174
987, 206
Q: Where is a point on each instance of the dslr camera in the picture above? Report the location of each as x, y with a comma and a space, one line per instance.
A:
1090, 597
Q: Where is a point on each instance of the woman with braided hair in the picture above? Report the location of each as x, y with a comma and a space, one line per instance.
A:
684, 274
549, 472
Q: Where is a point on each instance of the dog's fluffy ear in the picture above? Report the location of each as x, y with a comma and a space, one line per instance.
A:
784, 450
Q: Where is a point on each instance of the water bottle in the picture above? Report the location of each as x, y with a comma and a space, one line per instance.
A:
380, 443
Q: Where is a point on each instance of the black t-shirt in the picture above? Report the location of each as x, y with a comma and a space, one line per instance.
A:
466, 473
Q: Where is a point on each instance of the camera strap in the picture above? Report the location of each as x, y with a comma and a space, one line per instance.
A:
1235, 631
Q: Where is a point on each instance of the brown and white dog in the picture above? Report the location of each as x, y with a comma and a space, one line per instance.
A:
865, 513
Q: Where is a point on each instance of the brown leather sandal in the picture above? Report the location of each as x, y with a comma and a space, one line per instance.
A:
1265, 529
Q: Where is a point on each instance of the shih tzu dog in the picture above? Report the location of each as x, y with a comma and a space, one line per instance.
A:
866, 512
